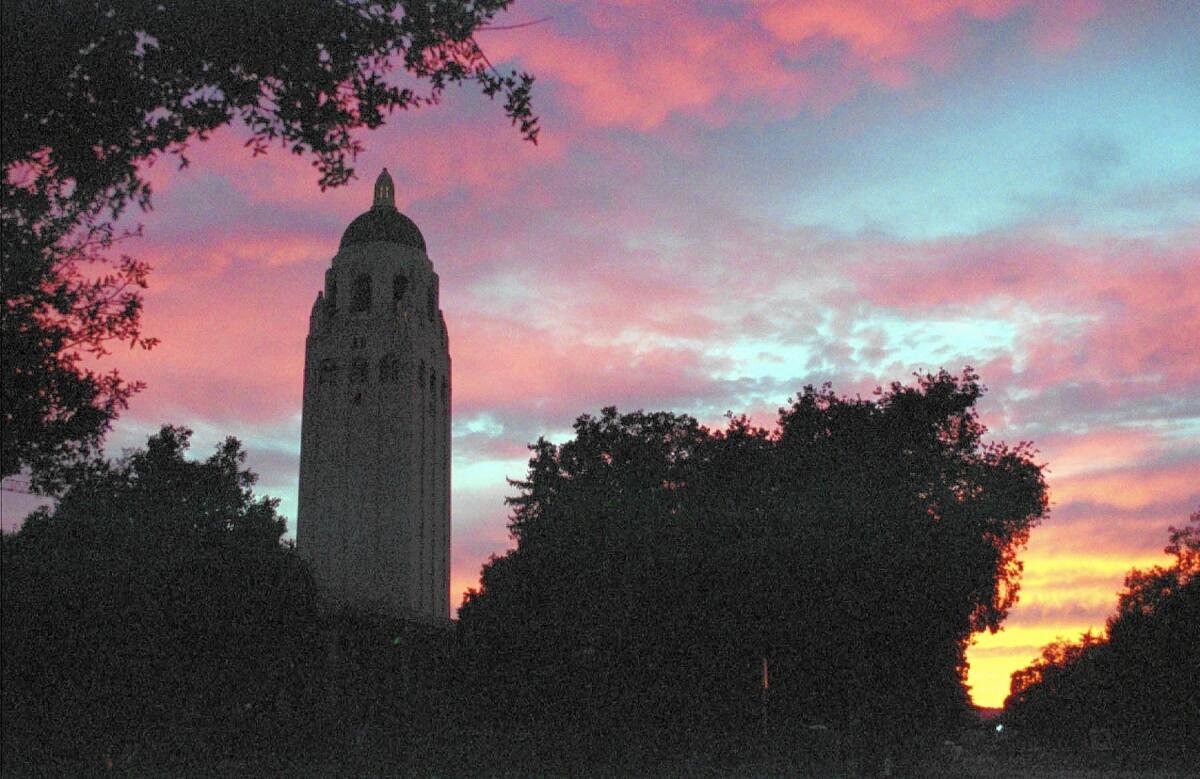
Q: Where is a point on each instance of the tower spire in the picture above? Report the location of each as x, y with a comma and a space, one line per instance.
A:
385, 191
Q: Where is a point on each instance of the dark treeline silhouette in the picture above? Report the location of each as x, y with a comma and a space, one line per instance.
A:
1137, 687
659, 563
154, 618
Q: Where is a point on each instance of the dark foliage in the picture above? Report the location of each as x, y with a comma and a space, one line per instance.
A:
94, 92
658, 563
152, 606
1140, 681
62, 309
154, 620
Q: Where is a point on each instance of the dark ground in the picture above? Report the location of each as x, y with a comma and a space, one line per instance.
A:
982, 763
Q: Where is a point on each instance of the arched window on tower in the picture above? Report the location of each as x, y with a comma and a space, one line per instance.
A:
432, 383
331, 299
327, 373
445, 389
385, 194
399, 287
432, 302
360, 295
358, 371
389, 369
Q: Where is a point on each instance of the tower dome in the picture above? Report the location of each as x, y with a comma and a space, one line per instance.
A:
383, 222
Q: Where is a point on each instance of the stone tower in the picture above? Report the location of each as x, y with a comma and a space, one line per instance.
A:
374, 513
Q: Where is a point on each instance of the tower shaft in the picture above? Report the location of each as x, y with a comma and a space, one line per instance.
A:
374, 503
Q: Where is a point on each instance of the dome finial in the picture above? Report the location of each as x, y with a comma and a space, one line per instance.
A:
385, 191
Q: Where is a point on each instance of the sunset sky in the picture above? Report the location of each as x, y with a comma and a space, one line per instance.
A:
730, 201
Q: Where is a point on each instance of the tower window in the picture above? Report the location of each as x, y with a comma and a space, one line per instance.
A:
360, 298
327, 373
432, 302
432, 383
389, 369
358, 371
445, 389
399, 287
331, 299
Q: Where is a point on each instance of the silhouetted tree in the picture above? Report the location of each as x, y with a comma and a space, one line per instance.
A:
154, 608
95, 92
856, 548
903, 528
1140, 681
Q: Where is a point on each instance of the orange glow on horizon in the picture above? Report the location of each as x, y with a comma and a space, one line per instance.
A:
1062, 597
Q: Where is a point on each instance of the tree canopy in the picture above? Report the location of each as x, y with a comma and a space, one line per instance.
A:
93, 92
155, 599
854, 549
1140, 680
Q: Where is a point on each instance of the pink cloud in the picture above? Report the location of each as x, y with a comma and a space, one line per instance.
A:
1131, 488
1060, 24
1089, 611
1113, 313
1073, 454
231, 317
462, 145
639, 64
1088, 528
505, 363
623, 73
